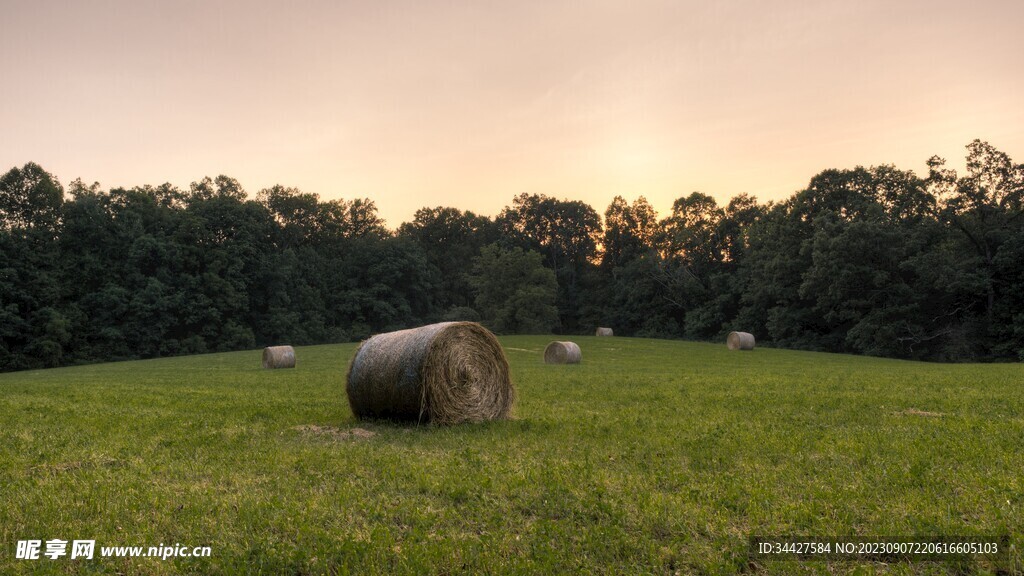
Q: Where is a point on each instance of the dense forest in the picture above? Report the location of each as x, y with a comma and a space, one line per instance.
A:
875, 261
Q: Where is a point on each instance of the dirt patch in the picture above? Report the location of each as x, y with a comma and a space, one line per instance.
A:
334, 433
916, 412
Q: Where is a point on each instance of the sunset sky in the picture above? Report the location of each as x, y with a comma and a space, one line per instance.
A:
468, 103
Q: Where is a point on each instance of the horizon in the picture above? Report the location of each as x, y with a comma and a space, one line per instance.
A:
464, 105
958, 165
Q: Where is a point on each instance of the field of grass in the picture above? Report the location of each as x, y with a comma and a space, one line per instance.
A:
651, 456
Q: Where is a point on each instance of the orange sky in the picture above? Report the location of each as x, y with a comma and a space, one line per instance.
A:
468, 103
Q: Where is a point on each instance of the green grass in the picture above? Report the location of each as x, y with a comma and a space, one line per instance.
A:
651, 456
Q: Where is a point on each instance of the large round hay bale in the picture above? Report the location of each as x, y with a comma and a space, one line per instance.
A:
604, 332
562, 353
279, 357
443, 373
740, 341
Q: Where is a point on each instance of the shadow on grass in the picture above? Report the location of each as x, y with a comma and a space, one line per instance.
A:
354, 428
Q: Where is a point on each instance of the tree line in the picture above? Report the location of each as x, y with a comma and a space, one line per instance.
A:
876, 261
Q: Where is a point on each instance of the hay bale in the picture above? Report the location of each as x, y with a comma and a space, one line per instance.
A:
444, 373
740, 341
562, 353
604, 332
279, 357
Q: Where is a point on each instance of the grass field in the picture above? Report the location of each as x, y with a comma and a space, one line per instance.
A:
651, 456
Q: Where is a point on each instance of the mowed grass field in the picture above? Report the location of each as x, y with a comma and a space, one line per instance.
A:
650, 457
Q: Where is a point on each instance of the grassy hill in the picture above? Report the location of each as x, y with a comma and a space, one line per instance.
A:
649, 457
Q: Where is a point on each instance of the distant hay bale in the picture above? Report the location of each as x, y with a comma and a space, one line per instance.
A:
279, 357
604, 332
562, 353
740, 341
443, 373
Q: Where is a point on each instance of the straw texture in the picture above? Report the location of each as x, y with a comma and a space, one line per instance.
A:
443, 373
562, 353
740, 341
604, 332
279, 357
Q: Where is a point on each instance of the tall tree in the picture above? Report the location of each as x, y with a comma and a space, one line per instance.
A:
985, 205
30, 199
450, 239
566, 233
630, 231
515, 293
31, 207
